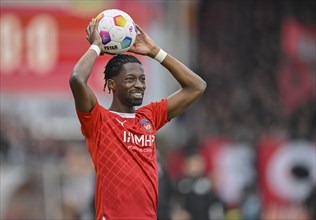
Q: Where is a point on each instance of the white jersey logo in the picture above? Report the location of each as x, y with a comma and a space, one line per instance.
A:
121, 122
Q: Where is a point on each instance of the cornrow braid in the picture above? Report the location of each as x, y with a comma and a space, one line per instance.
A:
115, 64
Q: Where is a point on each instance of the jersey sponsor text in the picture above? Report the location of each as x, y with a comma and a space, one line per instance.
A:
144, 140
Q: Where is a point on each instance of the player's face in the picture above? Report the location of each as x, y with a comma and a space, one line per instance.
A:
130, 84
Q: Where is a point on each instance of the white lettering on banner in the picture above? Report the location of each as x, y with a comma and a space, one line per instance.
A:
40, 37
10, 43
142, 140
42, 41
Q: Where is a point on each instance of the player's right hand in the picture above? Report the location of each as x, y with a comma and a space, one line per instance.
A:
93, 35
143, 44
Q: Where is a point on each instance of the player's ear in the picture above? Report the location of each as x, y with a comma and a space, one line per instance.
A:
111, 84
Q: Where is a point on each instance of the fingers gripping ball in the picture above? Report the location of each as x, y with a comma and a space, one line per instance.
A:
117, 30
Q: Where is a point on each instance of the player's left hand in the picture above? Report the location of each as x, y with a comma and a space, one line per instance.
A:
93, 35
143, 44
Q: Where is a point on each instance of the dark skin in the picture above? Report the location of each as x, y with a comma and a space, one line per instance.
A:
129, 85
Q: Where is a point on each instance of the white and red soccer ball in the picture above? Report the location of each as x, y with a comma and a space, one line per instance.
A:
117, 30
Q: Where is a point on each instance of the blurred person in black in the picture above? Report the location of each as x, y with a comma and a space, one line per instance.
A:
165, 189
251, 205
310, 203
195, 193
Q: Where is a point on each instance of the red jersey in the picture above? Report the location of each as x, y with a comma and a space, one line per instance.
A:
122, 147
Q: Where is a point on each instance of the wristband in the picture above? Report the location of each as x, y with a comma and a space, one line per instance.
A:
161, 55
95, 48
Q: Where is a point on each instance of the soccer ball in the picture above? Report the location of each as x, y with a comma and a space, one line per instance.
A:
117, 30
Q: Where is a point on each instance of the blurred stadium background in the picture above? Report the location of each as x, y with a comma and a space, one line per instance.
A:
245, 150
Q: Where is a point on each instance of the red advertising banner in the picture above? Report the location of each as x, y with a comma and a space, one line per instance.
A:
295, 74
230, 165
287, 170
298, 41
39, 48
287, 174
41, 45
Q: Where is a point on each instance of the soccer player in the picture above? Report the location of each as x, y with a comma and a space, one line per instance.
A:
121, 139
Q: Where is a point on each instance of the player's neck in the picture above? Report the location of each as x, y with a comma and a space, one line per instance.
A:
119, 107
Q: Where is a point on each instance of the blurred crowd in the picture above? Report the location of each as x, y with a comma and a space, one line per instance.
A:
239, 55
43, 178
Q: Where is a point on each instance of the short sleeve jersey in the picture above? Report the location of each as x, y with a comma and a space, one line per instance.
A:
122, 147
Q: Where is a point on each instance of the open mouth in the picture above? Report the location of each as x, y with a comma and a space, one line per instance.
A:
137, 95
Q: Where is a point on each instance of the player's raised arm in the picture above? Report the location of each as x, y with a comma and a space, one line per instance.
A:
193, 86
83, 95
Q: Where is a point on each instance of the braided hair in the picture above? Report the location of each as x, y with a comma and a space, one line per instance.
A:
115, 64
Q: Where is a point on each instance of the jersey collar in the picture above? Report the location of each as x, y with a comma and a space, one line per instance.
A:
124, 115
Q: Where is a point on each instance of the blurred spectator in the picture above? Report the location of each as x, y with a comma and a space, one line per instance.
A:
195, 193
27, 201
310, 203
302, 123
165, 190
251, 203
